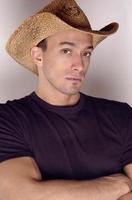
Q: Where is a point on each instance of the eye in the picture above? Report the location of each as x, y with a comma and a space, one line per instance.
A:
87, 54
66, 51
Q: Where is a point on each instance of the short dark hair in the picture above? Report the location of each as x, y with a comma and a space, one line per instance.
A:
43, 44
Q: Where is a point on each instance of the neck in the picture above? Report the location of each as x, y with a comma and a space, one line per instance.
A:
58, 98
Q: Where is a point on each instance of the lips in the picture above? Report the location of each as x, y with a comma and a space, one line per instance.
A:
77, 79
74, 79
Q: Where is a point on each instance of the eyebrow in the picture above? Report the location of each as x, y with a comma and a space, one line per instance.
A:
74, 45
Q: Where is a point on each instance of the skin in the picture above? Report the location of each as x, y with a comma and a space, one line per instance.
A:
63, 66
128, 171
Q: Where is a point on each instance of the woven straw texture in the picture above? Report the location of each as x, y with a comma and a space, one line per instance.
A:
57, 16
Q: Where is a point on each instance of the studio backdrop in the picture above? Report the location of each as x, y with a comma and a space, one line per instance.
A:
110, 72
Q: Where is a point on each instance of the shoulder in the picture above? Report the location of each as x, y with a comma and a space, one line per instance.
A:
14, 105
15, 116
114, 110
107, 104
14, 110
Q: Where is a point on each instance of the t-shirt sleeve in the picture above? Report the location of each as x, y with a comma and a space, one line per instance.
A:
12, 141
127, 141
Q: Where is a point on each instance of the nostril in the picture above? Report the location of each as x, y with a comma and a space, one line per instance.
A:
77, 68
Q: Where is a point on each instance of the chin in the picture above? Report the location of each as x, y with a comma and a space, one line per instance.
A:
70, 91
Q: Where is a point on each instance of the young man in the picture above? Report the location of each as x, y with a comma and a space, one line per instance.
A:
58, 143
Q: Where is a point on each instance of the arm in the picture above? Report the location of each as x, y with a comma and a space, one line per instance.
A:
128, 171
21, 178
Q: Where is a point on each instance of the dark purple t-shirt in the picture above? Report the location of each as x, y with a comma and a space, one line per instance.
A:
91, 139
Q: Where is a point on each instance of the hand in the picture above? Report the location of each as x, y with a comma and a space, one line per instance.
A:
126, 197
119, 181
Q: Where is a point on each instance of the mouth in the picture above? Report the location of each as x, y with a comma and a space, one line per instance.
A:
74, 79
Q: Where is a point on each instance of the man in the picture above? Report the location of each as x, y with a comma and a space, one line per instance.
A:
58, 143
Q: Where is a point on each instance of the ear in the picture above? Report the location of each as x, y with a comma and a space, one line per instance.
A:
36, 54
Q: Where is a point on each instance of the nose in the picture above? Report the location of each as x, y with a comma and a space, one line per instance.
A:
78, 64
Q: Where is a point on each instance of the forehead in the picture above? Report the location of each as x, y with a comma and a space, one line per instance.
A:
77, 37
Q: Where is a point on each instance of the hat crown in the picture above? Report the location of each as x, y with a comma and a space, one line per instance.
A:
69, 12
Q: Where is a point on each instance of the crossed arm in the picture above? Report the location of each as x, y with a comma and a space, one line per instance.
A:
128, 171
20, 179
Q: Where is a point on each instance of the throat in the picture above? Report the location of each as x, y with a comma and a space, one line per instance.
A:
58, 99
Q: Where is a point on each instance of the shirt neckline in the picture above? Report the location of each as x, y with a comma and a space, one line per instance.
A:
59, 109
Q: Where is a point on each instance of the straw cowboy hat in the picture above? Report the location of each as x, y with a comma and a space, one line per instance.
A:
57, 16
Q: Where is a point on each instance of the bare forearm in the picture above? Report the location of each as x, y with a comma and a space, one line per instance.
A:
98, 189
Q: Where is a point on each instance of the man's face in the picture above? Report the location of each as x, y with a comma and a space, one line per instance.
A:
65, 62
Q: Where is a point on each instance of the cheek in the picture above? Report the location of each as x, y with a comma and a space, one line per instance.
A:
86, 64
53, 70
56, 66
